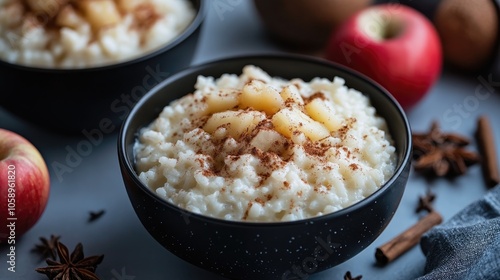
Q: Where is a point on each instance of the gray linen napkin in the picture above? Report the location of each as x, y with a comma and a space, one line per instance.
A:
467, 246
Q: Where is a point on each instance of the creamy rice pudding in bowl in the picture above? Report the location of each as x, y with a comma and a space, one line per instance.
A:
71, 65
253, 166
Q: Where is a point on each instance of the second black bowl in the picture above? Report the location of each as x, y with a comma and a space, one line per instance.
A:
71, 100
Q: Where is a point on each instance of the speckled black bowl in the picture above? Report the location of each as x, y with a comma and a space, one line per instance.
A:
265, 250
70, 100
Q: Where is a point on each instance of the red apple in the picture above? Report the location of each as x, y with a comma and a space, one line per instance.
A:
24, 186
394, 45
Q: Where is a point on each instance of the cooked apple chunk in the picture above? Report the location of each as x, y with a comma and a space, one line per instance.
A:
225, 99
289, 120
68, 17
261, 97
100, 13
291, 93
319, 111
235, 122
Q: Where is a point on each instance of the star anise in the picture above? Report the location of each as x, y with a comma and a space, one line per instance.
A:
442, 153
95, 215
73, 266
425, 202
47, 248
348, 276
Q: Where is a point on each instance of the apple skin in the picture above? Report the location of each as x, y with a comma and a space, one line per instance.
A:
32, 183
394, 45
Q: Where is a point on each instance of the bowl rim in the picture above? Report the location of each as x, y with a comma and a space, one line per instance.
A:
406, 157
201, 13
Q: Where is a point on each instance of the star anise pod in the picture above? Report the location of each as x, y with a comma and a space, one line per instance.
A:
348, 276
95, 215
425, 202
442, 153
47, 248
73, 266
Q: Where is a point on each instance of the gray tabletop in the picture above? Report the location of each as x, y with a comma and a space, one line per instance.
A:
93, 181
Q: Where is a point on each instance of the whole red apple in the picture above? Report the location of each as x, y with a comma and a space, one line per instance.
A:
394, 45
24, 186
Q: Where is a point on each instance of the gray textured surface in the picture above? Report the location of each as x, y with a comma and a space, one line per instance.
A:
95, 182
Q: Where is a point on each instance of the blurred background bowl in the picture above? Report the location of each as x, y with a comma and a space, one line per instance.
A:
71, 100
247, 250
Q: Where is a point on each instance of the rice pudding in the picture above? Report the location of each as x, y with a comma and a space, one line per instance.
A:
257, 148
87, 33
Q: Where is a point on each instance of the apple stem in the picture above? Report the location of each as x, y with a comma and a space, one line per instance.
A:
381, 26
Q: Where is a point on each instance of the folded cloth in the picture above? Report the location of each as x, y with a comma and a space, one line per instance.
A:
467, 246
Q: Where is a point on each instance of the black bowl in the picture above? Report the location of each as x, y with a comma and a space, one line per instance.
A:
71, 100
281, 250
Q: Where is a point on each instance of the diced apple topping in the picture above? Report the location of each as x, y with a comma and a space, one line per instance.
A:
319, 111
100, 13
261, 97
288, 112
236, 123
223, 100
289, 120
291, 93
68, 17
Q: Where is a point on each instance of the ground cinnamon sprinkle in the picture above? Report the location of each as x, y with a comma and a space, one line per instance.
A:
286, 184
316, 149
319, 95
245, 215
145, 15
260, 201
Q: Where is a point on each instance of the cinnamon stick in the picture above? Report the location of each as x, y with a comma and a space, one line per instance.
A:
487, 148
406, 240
